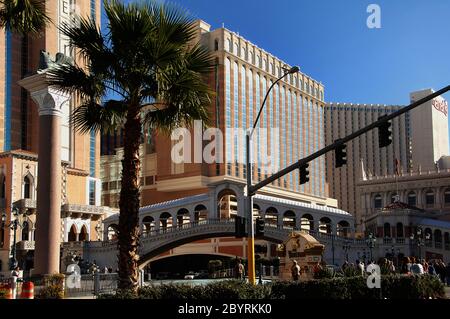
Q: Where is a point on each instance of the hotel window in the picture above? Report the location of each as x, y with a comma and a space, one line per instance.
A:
447, 196
228, 113
236, 49
92, 192
26, 187
412, 199
264, 119
429, 197
216, 45
243, 106
271, 68
250, 98
283, 128
377, 201
257, 103
250, 57
228, 46
236, 113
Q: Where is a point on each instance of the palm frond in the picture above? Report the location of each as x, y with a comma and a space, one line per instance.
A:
99, 118
23, 16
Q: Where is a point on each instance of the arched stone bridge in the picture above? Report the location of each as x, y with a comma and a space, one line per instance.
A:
172, 223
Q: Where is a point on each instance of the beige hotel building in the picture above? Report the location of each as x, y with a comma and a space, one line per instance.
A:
243, 73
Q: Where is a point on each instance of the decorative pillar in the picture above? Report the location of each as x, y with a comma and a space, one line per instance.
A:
48, 219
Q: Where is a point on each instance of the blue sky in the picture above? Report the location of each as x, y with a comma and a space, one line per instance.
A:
330, 41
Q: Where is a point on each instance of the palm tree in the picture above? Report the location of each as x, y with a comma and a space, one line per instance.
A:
147, 70
23, 16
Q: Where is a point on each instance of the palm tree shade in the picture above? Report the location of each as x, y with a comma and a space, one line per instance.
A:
147, 57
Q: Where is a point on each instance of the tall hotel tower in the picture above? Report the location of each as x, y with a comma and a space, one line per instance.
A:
293, 116
19, 135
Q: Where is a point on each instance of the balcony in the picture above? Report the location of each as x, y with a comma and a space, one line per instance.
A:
25, 204
400, 240
387, 240
83, 211
25, 245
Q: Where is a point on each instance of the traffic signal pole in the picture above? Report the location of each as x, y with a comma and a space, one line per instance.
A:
252, 189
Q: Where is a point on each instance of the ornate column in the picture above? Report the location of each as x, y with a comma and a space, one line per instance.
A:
48, 217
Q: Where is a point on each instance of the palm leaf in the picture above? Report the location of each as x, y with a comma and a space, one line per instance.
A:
23, 16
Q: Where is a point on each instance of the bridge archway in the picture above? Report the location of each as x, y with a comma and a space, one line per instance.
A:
112, 232
182, 217
227, 204
325, 225
148, 224
307, 222
165, 221
200, 213
271, 216
289, 219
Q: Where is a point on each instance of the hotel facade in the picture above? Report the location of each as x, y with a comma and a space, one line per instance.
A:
419, 139
81, 211
291, 126
242, 75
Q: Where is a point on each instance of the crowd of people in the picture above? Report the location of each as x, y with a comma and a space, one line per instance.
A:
408, 266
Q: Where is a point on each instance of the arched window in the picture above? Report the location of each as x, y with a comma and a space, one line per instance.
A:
289, 219
216, 45
148, 223
429, 197
399, 230
447, 196
26, 187
72, 233
83, 234
25, 231
377, 201
343, 228
228, 46
250, 57
387, 230
236, 49
412, 199
271, 216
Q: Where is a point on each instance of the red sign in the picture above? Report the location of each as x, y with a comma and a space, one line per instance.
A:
441, 105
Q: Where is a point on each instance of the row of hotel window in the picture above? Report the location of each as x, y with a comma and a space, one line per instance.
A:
429, 198
113, 185
270, 68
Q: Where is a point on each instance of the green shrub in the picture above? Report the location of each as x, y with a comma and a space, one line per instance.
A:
51, 292
392, 287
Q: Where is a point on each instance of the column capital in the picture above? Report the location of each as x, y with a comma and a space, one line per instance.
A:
49, 99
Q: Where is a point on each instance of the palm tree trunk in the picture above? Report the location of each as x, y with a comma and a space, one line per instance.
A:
129, 203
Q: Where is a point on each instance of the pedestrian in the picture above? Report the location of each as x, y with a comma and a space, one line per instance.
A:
15, 274
239, 270
360, 267
406, 266
295, 270
416, 267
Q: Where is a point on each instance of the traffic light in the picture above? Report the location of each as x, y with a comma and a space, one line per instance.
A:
340, 155
239, 226
384, 134
304, 174
259, 231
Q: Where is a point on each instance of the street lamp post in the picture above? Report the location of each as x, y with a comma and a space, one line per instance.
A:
13, 225
418, 236
249, 197
371, 240
346, 248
